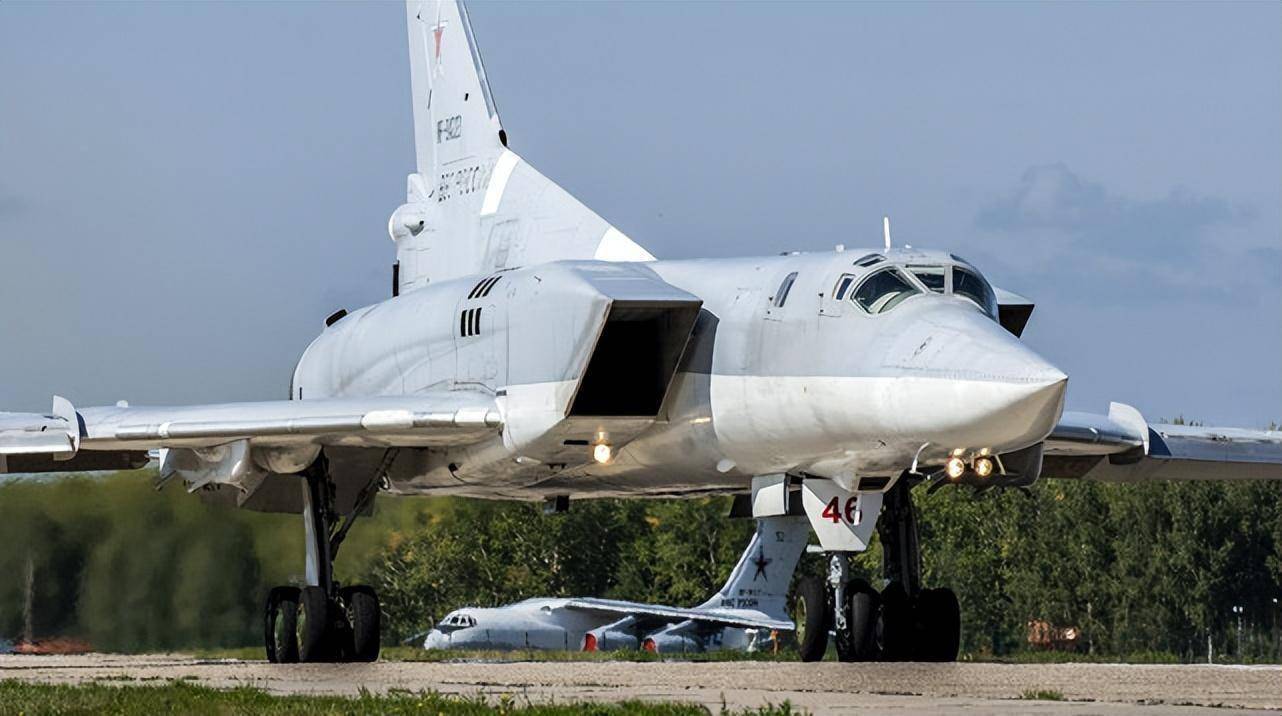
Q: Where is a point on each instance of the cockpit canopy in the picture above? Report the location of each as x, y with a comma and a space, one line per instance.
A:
457, 620
889, 283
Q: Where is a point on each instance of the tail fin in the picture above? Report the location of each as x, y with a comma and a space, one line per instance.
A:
761, 579
454, 113
473, 205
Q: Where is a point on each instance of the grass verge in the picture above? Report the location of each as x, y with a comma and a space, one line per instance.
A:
32, 699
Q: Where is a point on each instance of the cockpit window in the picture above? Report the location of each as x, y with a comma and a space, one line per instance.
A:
782, 294
932, 277
843, 285
869, 260
975, 288
883, 290
460, 621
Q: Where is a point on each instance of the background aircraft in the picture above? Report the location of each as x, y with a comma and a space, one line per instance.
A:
533, 351
748, 613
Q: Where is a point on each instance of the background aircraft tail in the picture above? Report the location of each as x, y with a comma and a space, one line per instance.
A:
473, 205
763, 574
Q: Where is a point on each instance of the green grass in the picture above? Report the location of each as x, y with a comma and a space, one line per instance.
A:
18, 697
1042, 695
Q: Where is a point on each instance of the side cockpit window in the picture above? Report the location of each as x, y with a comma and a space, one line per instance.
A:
971, 286
843, 287
782, 294
883, 290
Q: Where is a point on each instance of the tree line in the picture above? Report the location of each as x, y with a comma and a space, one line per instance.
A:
1135, 568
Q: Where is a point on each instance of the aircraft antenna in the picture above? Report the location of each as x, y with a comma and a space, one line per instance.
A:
885, 230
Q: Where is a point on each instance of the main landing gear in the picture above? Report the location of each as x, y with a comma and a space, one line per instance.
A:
324, 621
902, 622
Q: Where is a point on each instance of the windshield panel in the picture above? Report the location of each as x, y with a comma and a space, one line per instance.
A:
883, 290
932, 277
971, 286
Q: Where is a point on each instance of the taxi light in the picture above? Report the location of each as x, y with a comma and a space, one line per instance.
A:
955, 467
589, 642
602, 453
984, 466
650, 646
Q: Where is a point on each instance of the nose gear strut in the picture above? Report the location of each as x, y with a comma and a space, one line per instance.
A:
904, 621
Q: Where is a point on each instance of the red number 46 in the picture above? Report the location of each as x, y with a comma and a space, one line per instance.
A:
834, 512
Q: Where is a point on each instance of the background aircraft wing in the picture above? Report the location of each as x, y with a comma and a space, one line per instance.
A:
742, 618
1123, 447
119, 436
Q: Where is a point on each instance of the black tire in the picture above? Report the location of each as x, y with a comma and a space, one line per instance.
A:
365, 619
896, 632
280, 632
812, 617
313, 625
858, 641
939, 615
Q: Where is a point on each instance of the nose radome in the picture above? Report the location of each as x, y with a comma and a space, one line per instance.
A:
977, 386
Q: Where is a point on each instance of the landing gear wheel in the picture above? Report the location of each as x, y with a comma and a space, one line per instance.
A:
858, 641
811, 614
364, 618
281, 625
939, 620
895, 628
313, 624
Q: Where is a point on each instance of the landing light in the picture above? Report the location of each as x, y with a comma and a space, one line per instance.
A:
602, 453
983, 466
955, 467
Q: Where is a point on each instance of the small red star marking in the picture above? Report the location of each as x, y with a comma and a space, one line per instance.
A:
437, 32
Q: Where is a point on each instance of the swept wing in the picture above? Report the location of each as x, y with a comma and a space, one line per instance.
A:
740, 618
1123, 447
68, 439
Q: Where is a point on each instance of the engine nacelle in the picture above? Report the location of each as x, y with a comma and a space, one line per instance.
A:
619, 636
682, 638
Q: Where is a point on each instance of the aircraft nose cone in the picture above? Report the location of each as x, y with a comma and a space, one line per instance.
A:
436, 640
974, 384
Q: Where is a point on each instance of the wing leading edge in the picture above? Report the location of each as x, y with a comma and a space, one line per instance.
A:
67, 438
730, 617
1123, 447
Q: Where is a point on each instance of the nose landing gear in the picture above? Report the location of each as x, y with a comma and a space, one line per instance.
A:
321, 621
903, 622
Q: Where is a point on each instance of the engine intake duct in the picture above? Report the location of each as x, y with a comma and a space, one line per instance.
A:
634, 359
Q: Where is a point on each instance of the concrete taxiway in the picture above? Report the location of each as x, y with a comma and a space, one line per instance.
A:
908, 688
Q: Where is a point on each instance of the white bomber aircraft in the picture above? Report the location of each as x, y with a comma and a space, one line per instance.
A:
532, 351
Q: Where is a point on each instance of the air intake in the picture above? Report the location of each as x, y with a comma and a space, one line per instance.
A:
635, 358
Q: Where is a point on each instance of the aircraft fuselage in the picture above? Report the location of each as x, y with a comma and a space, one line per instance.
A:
806, 382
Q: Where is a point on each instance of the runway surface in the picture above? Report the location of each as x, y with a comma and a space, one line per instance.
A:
819, 688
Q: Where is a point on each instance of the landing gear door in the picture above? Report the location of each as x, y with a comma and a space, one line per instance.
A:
844, 521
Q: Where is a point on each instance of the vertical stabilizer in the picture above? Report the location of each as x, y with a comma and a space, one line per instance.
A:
473, 205
761, 579
454, 114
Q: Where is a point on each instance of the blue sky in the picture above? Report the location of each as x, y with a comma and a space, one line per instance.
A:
187, 190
